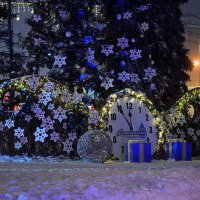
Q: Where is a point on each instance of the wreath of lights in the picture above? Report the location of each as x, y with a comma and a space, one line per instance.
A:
15, 99
140, 96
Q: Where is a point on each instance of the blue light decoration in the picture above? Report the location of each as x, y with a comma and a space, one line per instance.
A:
59, 44
91, 64
81, 12
121, 2
124, 53
83, 77
88, 39
122, 63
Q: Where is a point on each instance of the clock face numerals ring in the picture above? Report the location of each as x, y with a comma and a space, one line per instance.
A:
129, 118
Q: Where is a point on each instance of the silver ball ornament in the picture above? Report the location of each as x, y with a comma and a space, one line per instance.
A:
95, 146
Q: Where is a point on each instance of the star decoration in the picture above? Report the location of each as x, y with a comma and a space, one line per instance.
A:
144, 26
94, 117
55, 93
51, 106
40, 114
107, 49
55, 136
10, 123
19, 132
122, 42
150, 72
59, 60
18, 145
60, 114
44, 98
181, 120
134, 78
127, 15
40, 135
135, 54
90, 54
47, 123
124, 76
72, 136
68, 146
36, 18
107, 83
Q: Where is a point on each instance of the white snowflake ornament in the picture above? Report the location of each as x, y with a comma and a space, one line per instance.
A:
134, 78
67, 146
49, 86
47, 123
55, 136
59, 60
19, 132
36, 18
124, 76
33, 83
127, 15
150, 73
144, 26
44, 98
40, 135
107, 49
72, 136
90, 54
66, 96
135, 54
122, 42
62, 13
107, 83
60, 114
18, 145
24, 140
10, 123
28, 118
181, 120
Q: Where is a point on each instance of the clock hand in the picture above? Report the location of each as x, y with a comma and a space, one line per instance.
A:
130, 116
121, 111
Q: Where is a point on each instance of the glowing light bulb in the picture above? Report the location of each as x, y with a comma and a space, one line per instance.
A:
196, 63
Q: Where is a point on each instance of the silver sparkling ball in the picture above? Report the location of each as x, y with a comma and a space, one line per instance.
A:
95, 146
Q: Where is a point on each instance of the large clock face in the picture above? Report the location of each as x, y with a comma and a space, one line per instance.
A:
130, 119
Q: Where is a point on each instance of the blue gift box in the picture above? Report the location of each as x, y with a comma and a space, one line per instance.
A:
178, 150
138, 152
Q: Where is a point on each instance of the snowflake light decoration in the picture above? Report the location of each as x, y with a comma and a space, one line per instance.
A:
47, 123
55, 136
59, 60
107, 83
134, 78
143, 7
38, 41
66, 96
44, 98
40, 114
40, 135
19, 132
10, 123
62, 13
124, 76
107, 49
67, 146
191, 131
150, 72
36, 18
51, 106
90, 54
1, 126
181, 120
60, 114
135, 54
18, 145
94, 117
122, 42
72, 136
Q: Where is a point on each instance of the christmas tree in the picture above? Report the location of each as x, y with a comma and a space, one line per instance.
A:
106, 46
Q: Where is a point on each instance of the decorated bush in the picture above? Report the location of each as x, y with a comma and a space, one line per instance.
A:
183, 119
40, 117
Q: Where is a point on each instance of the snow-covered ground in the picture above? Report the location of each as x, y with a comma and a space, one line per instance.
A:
27, 179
